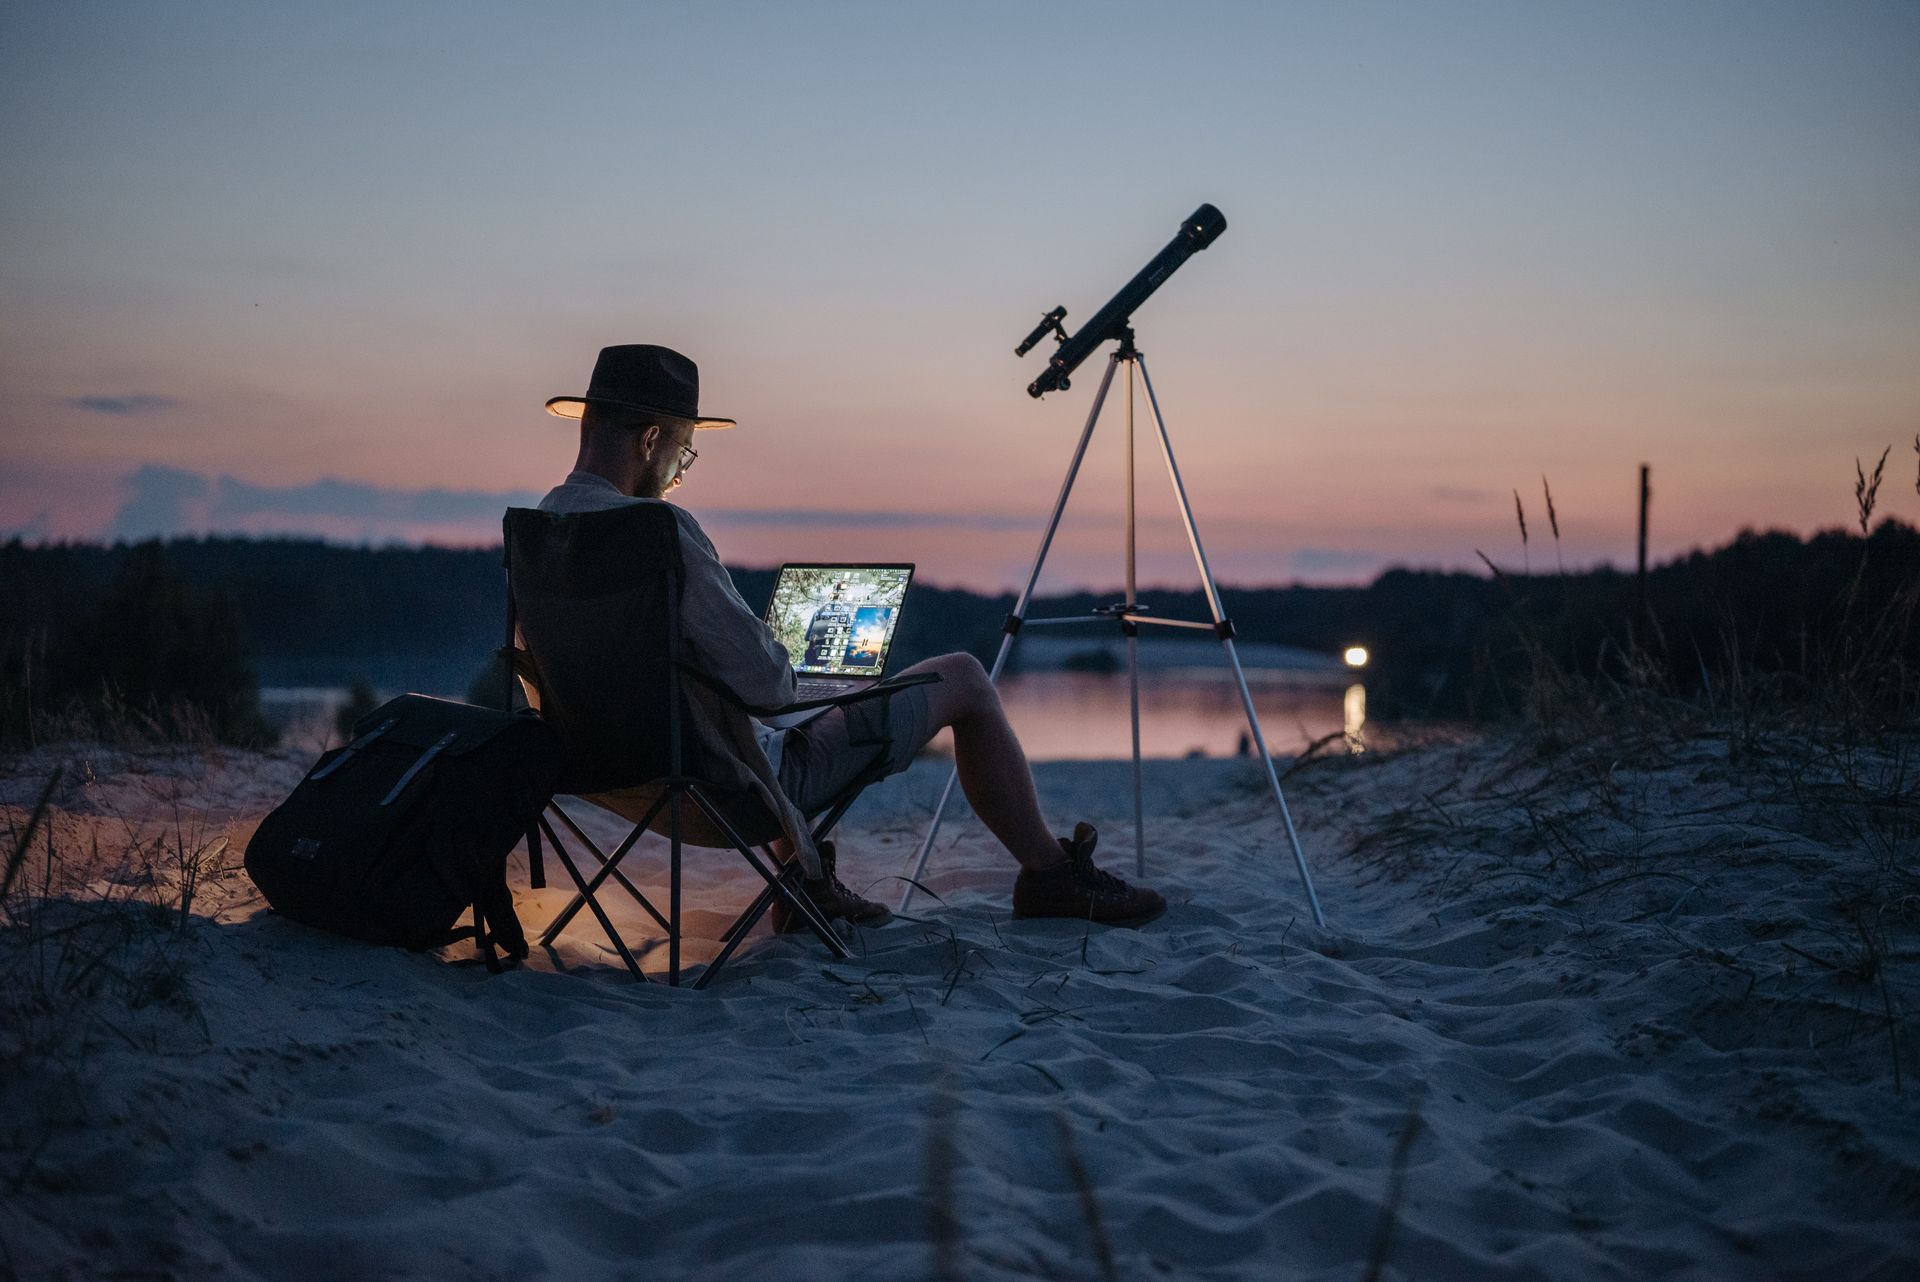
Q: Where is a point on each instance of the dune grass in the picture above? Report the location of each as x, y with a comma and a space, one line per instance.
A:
96, 945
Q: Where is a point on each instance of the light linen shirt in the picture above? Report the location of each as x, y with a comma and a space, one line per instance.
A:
719, 635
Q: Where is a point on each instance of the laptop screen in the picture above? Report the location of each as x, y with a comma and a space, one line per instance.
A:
838, 620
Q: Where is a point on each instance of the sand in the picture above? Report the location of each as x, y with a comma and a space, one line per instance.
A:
1632, 1010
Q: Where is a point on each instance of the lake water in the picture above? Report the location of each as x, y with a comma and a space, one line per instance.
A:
1066, 715
1081, 716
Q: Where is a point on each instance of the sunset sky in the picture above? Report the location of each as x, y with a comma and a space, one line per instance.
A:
316, 268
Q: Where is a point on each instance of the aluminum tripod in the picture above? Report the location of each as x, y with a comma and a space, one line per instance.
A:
1130, 615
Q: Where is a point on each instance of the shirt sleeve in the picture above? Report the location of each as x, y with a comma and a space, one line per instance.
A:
728, 641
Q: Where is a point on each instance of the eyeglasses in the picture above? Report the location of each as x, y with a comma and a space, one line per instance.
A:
687, 455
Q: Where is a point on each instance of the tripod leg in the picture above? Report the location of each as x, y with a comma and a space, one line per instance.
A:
1233, 656
1019, 613
1132, 631
1139, 820
926, 843
1273, 780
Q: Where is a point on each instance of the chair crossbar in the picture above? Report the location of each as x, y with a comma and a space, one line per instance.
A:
753, 911
737, 933
566, 861
745, 921
781, 882
794, 896
608, 868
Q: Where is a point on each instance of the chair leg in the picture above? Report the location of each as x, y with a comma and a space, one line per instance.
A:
833, 816
820, 830
751, 913
801, 904
606, 924
737, 934
673, 888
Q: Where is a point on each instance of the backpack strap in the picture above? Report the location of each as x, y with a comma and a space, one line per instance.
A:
536, 864
346, 753
496, 925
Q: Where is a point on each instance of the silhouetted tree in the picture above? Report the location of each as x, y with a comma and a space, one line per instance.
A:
155, 649
361, 699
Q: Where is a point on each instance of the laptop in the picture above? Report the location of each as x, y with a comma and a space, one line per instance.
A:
837, 624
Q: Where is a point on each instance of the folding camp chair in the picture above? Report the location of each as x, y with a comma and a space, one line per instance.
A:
593, 636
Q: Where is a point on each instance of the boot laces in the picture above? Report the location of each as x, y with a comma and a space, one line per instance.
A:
1094, 878
829, 877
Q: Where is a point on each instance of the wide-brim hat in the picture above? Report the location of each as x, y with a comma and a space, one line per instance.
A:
640, 376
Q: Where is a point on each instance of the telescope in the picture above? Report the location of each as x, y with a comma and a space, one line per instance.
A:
1115, 320
1200, 229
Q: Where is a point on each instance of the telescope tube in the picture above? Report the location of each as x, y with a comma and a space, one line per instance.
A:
1201, 228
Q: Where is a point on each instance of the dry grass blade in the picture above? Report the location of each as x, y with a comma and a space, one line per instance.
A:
1312, 752
1520, 515
943, 1163
1553, 523
19, 854
1867, 488
1488, 561
1089, 1204
1396, 1189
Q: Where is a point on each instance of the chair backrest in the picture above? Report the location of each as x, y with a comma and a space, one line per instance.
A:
597, 598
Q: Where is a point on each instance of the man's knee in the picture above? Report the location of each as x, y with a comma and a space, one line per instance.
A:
964, 673
963, 690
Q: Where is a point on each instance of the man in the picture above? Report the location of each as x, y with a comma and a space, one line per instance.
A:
637, 425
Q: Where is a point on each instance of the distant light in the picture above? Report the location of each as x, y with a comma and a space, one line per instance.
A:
1356, 656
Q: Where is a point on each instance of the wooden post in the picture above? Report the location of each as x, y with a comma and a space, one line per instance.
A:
1640, 577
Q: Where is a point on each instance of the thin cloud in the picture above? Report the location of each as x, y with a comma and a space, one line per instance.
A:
243, 502
138, 405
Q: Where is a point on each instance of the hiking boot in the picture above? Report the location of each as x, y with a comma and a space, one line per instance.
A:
831, 896
1077, 889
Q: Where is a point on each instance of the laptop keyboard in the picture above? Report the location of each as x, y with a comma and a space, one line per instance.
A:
805, 689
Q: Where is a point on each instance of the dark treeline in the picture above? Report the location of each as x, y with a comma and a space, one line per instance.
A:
305, 612
309, 613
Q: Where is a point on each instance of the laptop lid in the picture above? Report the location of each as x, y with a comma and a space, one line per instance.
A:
838, 620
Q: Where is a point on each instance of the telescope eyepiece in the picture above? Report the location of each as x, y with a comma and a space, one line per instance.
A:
1049, 324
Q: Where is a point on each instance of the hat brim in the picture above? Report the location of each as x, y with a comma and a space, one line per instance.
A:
575, 406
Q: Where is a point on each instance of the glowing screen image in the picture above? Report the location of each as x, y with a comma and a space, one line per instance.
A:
838, 620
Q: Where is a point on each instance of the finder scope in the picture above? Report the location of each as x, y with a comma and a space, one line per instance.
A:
1201, 228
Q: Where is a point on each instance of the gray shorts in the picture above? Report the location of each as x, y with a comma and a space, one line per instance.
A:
820, 758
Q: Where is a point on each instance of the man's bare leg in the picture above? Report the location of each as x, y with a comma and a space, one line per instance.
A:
993, 770
993, 767
994, 774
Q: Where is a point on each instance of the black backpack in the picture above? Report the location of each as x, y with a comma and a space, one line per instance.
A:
392, 837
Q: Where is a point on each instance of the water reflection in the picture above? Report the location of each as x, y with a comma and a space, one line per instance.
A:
1080, 716
1065, 715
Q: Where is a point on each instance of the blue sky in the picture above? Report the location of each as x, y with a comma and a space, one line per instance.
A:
344, 253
